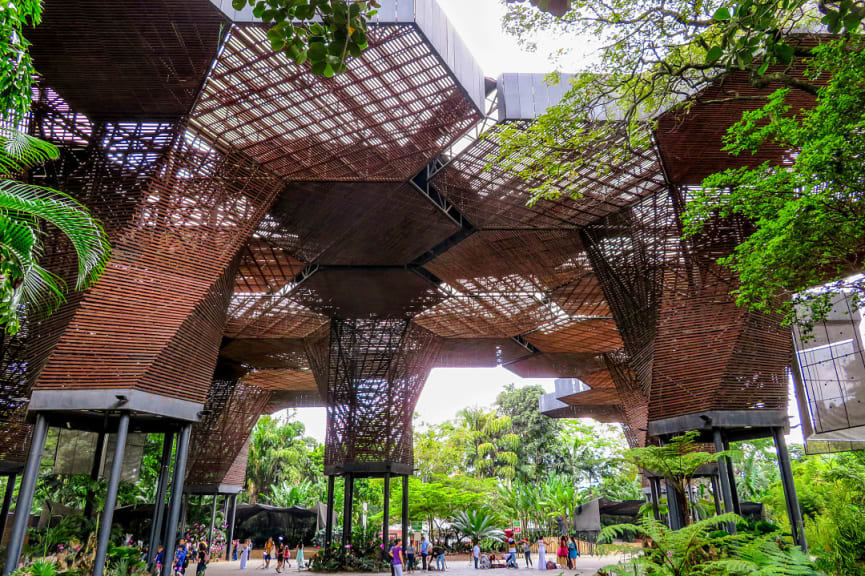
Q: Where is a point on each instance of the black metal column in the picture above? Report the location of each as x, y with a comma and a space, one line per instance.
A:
7, 503
212, 522
404, 511
716, 493
180, 456
654, 489
794, 512
675, 515
95, 469
346, 510
25, 495
111, 496
328, 523
385, 513
724, 475
734, 490
159, 503
184, 508
231, 526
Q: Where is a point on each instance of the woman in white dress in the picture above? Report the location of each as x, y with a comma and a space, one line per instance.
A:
244, 554
542, 555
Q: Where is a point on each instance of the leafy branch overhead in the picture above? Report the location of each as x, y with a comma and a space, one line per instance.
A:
324, 34
658, 57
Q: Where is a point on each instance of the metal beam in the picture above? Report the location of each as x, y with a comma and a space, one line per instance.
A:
25, 495
180, 457
794, 512
111, 495
159, 503
7, 503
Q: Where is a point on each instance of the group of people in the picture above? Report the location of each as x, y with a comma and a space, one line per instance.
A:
273, 550
406, 557
185, 554
567, 554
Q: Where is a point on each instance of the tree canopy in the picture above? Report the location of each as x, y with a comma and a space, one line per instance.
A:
657, 57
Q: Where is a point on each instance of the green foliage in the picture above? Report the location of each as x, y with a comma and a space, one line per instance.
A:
16, 66
702, 550
677, 462
808, 217
322, 33
279, 453
286, 495
477, 525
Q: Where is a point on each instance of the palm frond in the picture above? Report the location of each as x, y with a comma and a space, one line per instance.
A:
19, 151
70, 217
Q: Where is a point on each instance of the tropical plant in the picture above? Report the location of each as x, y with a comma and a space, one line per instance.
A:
490, 443
477, 525
701, 549
26, 287
286, 495
561, 498
278, 452
24, 284
677, 462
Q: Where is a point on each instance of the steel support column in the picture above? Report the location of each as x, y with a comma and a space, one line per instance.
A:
724, 475
159, 503
7, 503
212, 522
385, 514
111, 495
231, 521
654, 490
675, 515
95, 469
328, 523
180, 456
346, 510
716, 493
734, 491
25, 495
404, 511
794, 512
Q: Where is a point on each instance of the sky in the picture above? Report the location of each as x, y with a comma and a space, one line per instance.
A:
449, 390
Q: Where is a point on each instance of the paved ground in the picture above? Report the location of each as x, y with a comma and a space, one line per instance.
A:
586, 566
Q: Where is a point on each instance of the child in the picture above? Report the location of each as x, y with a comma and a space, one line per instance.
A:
160, 558
179, 559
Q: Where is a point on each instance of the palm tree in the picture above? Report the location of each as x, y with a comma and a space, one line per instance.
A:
478, 525
562, 497
286, 495
24, 285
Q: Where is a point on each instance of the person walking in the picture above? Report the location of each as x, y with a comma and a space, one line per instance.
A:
244, 554
396, 552
542, 555
179, 559
527, 552
476, 553
409, 554
201, 566
573, 553
424, 550
562, 552
280, 554
301, 561
268, 548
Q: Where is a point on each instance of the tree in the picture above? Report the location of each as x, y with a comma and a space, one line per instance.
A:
477, 525
656, 57
677, 462
489, 442
322, 33
278, 452
286, 495
537, 451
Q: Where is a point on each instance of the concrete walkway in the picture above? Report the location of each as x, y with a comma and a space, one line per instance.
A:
586, 566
